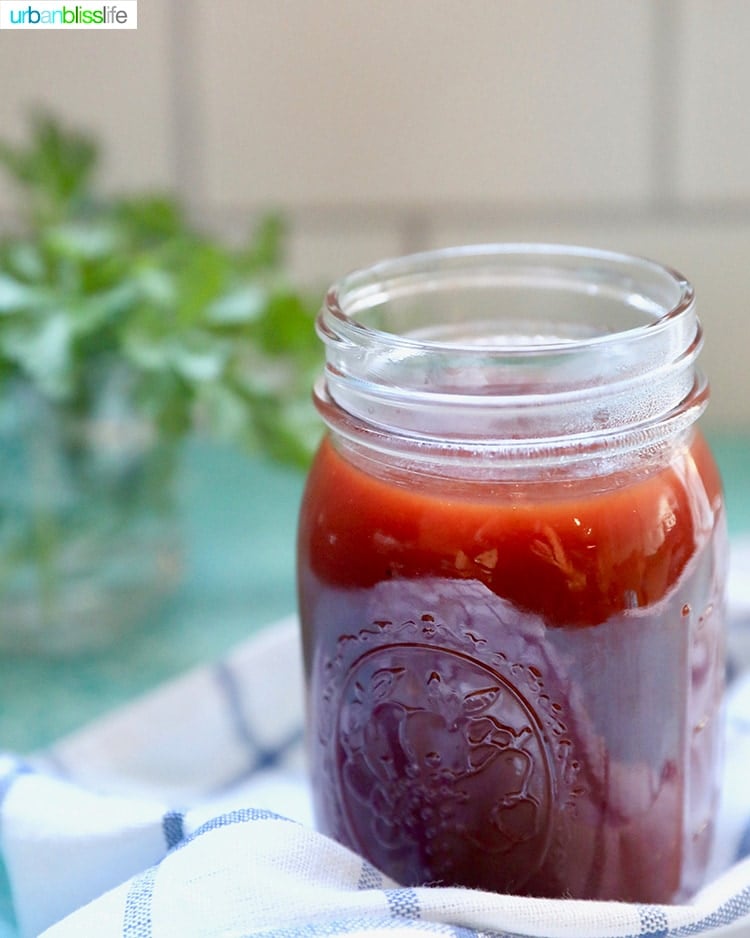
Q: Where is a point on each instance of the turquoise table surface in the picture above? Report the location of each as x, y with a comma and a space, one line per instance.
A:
240, 518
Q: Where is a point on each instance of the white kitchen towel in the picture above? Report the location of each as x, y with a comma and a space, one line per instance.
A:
187, 813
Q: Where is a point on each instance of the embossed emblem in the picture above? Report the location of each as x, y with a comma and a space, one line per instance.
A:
442, 745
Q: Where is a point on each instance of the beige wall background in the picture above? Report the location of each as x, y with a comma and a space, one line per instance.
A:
384, 126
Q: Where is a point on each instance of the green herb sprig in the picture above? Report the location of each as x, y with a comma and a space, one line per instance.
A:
198, 335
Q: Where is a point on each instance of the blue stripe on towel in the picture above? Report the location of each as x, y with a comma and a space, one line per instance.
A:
15, 769
261, 757
733, 909
654, 922
136, 920
369, 877
173, 827
743, 848
227, 683
403, 903
240, 816
374, 923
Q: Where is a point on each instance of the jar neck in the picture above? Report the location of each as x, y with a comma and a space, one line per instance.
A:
543, 357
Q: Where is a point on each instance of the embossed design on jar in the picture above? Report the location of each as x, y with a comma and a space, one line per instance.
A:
443, 742
441, 751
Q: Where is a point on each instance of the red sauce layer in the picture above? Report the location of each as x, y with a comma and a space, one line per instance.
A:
516, 688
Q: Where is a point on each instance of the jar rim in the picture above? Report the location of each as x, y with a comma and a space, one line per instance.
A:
518, 351
360, 288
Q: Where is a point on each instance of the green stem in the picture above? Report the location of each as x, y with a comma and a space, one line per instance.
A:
45, 532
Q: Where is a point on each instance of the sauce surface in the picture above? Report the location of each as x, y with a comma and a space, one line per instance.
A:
517, 689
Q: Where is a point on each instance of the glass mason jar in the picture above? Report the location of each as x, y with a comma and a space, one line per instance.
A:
512, 556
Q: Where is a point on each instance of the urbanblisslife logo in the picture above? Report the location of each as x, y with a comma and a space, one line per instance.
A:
64, 14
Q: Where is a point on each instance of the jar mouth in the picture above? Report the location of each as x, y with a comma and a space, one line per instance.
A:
652, 293
526, 344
